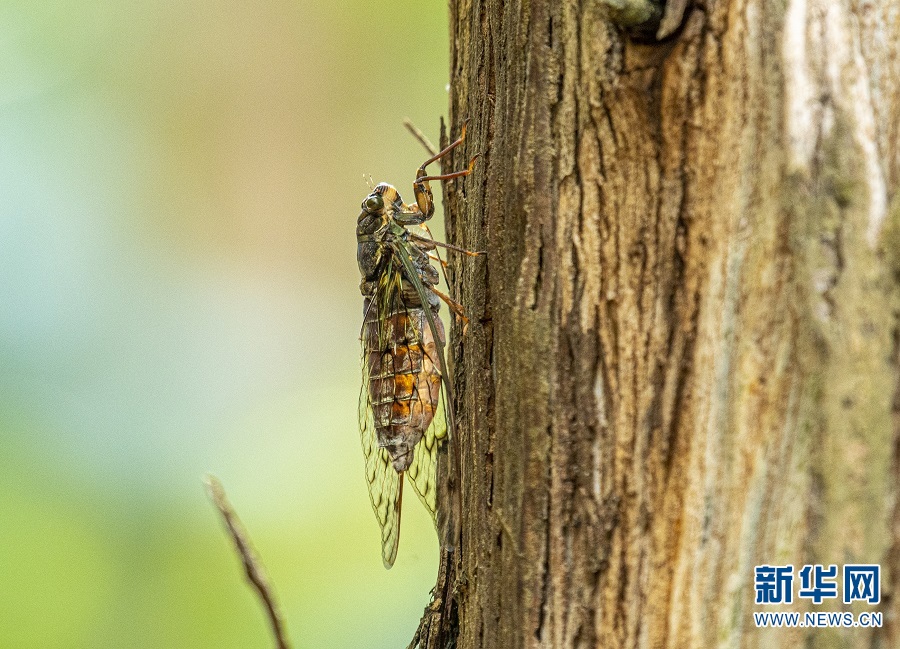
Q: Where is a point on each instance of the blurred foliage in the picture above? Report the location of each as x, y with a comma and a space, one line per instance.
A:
179, 184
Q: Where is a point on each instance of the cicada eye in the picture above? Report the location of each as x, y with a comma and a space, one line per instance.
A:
373, 203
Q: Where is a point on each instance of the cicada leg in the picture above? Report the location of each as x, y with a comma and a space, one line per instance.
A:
440, 154
437, 258
452, 304
424, 207
430, 245
448, 246
422, 190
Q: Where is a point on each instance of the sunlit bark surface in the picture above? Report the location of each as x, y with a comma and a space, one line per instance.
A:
682, 355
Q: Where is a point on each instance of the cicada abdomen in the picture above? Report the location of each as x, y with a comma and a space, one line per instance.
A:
404, 376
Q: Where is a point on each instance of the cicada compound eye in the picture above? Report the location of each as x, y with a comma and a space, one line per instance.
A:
373, 203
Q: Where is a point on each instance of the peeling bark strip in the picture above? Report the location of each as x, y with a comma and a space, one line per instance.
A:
682, 357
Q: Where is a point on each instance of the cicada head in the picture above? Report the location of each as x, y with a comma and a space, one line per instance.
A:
377, 210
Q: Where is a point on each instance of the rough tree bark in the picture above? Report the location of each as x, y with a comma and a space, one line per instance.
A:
682, 357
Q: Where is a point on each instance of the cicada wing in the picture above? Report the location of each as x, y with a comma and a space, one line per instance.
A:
423, 470
431, 337
385, 484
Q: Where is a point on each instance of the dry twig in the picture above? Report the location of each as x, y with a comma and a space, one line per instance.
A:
419, 135
252, 565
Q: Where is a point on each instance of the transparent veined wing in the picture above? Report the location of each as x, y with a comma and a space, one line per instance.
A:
423, 470
429, 332
385, 484
401, 422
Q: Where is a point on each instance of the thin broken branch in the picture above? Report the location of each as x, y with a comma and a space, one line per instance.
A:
420, 136
252, 565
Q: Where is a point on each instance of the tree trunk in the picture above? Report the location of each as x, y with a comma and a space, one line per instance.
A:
682, 355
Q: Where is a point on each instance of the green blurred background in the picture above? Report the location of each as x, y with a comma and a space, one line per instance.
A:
179, 183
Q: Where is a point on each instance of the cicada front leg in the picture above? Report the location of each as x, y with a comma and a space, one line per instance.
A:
424, 207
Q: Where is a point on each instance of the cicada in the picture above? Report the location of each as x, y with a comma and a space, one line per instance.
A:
404, 369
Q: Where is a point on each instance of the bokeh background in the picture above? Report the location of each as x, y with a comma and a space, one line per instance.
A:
179, 183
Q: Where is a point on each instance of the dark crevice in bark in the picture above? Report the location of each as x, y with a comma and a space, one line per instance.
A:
545, 568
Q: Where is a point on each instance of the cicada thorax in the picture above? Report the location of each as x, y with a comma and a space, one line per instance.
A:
401, 355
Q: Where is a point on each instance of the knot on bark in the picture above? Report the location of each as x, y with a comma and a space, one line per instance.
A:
647, 19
